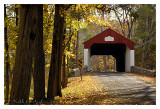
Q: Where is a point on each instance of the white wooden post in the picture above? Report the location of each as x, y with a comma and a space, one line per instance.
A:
129, 59
132, 57
87, 58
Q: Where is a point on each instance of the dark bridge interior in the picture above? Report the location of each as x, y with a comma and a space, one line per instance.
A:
116, 50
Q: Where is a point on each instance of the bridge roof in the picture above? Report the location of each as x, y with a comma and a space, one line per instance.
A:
109, 36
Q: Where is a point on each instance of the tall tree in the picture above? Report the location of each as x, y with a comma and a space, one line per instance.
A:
77, 48
6, 58
66, 57
29, 23
54, 81
77, 41
39, 60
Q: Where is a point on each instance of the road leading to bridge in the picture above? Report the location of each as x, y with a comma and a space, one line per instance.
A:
128, 86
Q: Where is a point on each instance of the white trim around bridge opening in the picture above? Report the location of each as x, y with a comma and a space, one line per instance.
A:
129, 59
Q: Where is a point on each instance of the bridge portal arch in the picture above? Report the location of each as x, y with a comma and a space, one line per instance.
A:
109, 42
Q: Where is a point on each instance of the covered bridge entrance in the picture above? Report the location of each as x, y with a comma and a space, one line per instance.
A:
109, 42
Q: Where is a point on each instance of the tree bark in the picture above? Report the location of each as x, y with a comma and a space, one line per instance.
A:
123, 29
54, 81
143, 52
67, 73
77, 49
6, 59
67, 70
104, 61
39, 60
24, 55
64, 72
77, 44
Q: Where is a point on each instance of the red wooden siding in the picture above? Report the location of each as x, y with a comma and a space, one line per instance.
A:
109, 32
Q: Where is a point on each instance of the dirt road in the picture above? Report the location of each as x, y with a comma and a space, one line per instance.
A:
127, 86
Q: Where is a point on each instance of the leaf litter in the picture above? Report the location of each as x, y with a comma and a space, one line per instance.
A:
90, 91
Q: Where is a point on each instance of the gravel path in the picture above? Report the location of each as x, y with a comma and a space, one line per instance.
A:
128, 86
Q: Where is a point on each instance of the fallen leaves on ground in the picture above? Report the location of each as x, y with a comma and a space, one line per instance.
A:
90, 91
151, 80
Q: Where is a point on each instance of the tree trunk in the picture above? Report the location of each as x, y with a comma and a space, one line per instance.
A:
77, 49
64, 72
24, 55
77, 44
130, 25
121, 23
6, 59
73, 59
104, 61
39, 60
123, 29
68, 63
54, 81
143, 53
67, 73
114, 64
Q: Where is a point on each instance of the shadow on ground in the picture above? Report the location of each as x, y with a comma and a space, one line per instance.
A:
132, 97
109, 98
122, 95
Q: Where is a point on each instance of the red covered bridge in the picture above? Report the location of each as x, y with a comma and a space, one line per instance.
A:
109, 42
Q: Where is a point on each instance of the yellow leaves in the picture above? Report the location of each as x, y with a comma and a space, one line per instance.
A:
47, 65
60, 101
77, 7
84, 24
91, 91
68, 20
70, 54
84, 6
75, 24
48, 46
62, 12
151, 80
93, 18
99, 6
72, 7
30, 98
114, 102
81, 88
134, 95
